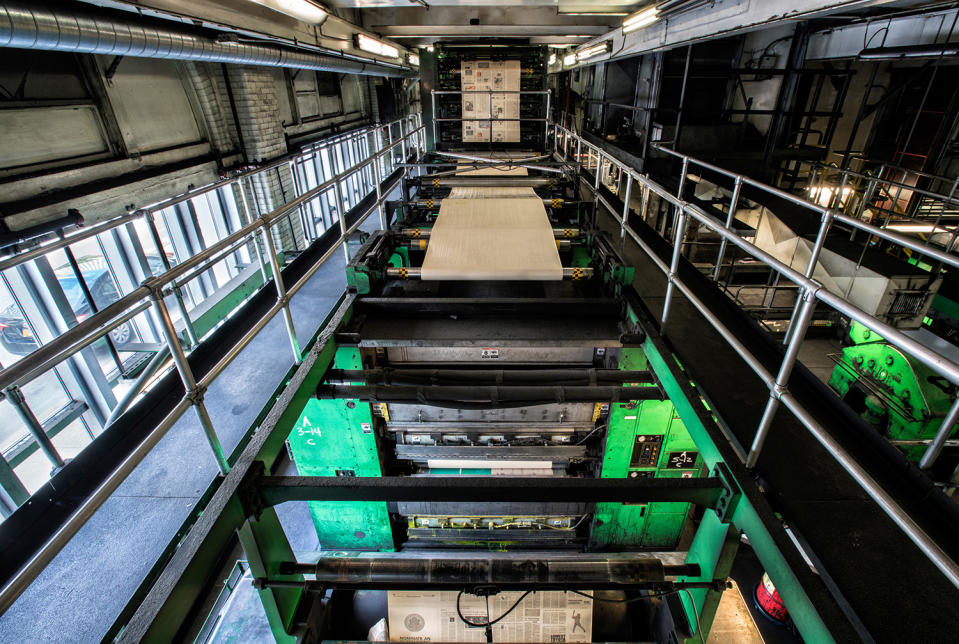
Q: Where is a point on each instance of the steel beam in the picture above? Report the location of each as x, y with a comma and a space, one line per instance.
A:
273, 490
482, 377
488, 397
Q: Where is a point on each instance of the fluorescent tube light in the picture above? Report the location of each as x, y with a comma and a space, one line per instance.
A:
569, 60
552, 59
300, 9
594, 50
640, 19
374, 46
413, 59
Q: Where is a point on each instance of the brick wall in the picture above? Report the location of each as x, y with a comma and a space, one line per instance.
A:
257, 109
210, 87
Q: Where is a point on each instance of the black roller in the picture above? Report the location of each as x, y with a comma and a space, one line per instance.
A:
504, 573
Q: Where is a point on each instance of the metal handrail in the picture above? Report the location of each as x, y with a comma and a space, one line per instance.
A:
84, 334
87, 232
890, 182
811, 291
102, 322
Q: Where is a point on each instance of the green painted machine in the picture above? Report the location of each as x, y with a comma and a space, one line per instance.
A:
902, 398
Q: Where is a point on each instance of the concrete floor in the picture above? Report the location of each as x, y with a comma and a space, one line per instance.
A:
80, 595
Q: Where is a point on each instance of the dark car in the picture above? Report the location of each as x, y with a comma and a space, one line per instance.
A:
17, 338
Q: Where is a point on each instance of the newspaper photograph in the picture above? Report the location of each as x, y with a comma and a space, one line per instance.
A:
431, 616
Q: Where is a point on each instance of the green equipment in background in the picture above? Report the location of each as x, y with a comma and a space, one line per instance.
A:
902, 398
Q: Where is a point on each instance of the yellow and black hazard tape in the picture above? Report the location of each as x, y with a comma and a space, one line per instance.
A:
417, 232
569, 232
429, 202
404, 272
578, 273
436, 183
556, 203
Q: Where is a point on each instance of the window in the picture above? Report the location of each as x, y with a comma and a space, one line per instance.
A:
45, 296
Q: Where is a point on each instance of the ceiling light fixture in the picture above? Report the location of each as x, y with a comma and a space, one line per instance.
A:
413, 59
640, 19
300, 9
569, 60
374, 46
552, 59
594, 50
601, 14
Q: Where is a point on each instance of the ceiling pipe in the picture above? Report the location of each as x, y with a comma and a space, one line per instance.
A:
60, 29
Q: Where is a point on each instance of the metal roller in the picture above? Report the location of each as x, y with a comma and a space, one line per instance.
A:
425, 233
413, 273
503, 573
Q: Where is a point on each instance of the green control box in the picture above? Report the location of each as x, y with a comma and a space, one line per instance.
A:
644, 439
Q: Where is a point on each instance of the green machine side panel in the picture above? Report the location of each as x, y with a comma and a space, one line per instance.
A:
898, 395
644, 440
336, 438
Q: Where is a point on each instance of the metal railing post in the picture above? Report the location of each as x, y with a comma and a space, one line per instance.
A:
177, 291
380, 210
682, 178
673, 266
342, 216
389, 147
935, 447
782, 378
622, 226
33, 425
826, 222
281, 295
596, 182
194, 393
730, 218
549, 93
436, 142
256, 244
644, 209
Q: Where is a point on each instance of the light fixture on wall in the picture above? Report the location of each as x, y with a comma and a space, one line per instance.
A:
413, 59
552, 59
594, 50
640, 19
569, 60
300, 9
374, 46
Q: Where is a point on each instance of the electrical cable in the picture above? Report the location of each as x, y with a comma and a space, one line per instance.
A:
631, 600
594, 430
695, 614
642, 597
488, 622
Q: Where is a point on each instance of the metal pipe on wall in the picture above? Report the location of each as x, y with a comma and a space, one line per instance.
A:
28, 26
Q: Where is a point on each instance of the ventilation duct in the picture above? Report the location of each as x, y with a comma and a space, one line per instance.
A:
59, 29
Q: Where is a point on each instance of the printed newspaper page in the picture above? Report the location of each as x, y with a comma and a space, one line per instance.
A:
430, 616
485, 76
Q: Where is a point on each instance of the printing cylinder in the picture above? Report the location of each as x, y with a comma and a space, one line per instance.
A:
501, 572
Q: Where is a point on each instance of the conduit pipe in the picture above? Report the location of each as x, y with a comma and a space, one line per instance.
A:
29, 26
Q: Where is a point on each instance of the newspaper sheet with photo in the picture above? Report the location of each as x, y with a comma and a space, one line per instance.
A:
490, 76
549, 616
